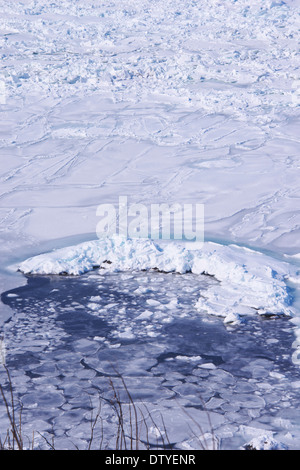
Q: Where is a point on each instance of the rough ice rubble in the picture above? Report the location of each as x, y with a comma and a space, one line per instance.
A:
264, 443
249, 281
248, 60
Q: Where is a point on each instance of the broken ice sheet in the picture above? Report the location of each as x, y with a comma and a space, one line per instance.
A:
189, 363
217, 122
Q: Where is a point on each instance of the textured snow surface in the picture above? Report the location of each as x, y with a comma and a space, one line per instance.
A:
265, 443
163, 101
249, 281
243, 52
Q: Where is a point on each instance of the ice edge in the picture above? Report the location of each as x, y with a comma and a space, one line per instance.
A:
249, 282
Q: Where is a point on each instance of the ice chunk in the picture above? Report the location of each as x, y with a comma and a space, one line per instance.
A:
153, 302
233, 319
44, 400
145, 315
126, 334
208, 365
249, 282
95, 298
264, 443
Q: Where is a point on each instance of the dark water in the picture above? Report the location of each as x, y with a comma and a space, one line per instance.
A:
68, 335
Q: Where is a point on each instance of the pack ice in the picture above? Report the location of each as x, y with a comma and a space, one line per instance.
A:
249, 281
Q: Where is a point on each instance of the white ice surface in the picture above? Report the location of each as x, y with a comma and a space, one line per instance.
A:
163, 101
265, 443
249, 281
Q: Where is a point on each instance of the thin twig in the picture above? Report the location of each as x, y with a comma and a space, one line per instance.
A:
93, 423
17, 438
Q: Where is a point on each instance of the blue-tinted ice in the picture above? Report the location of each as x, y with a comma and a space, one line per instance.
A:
69, 335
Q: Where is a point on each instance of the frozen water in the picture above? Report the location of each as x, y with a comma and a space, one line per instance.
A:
192, 366
249, 281
159, 101
265, 443
164, 101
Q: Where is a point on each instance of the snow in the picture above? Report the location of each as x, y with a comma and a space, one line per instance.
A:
249, 281
161, 102
155, 101
265, 443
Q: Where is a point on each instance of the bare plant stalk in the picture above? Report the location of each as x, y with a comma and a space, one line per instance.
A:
15, 429
147, 429
50, 444
121, 436
137, 420
156, 427
205, 445
93, 424
135, 413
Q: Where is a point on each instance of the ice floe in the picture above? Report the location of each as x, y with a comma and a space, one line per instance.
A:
249, 281
265, 443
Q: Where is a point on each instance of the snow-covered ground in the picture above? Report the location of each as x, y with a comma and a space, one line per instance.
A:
158, 101
164, 102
